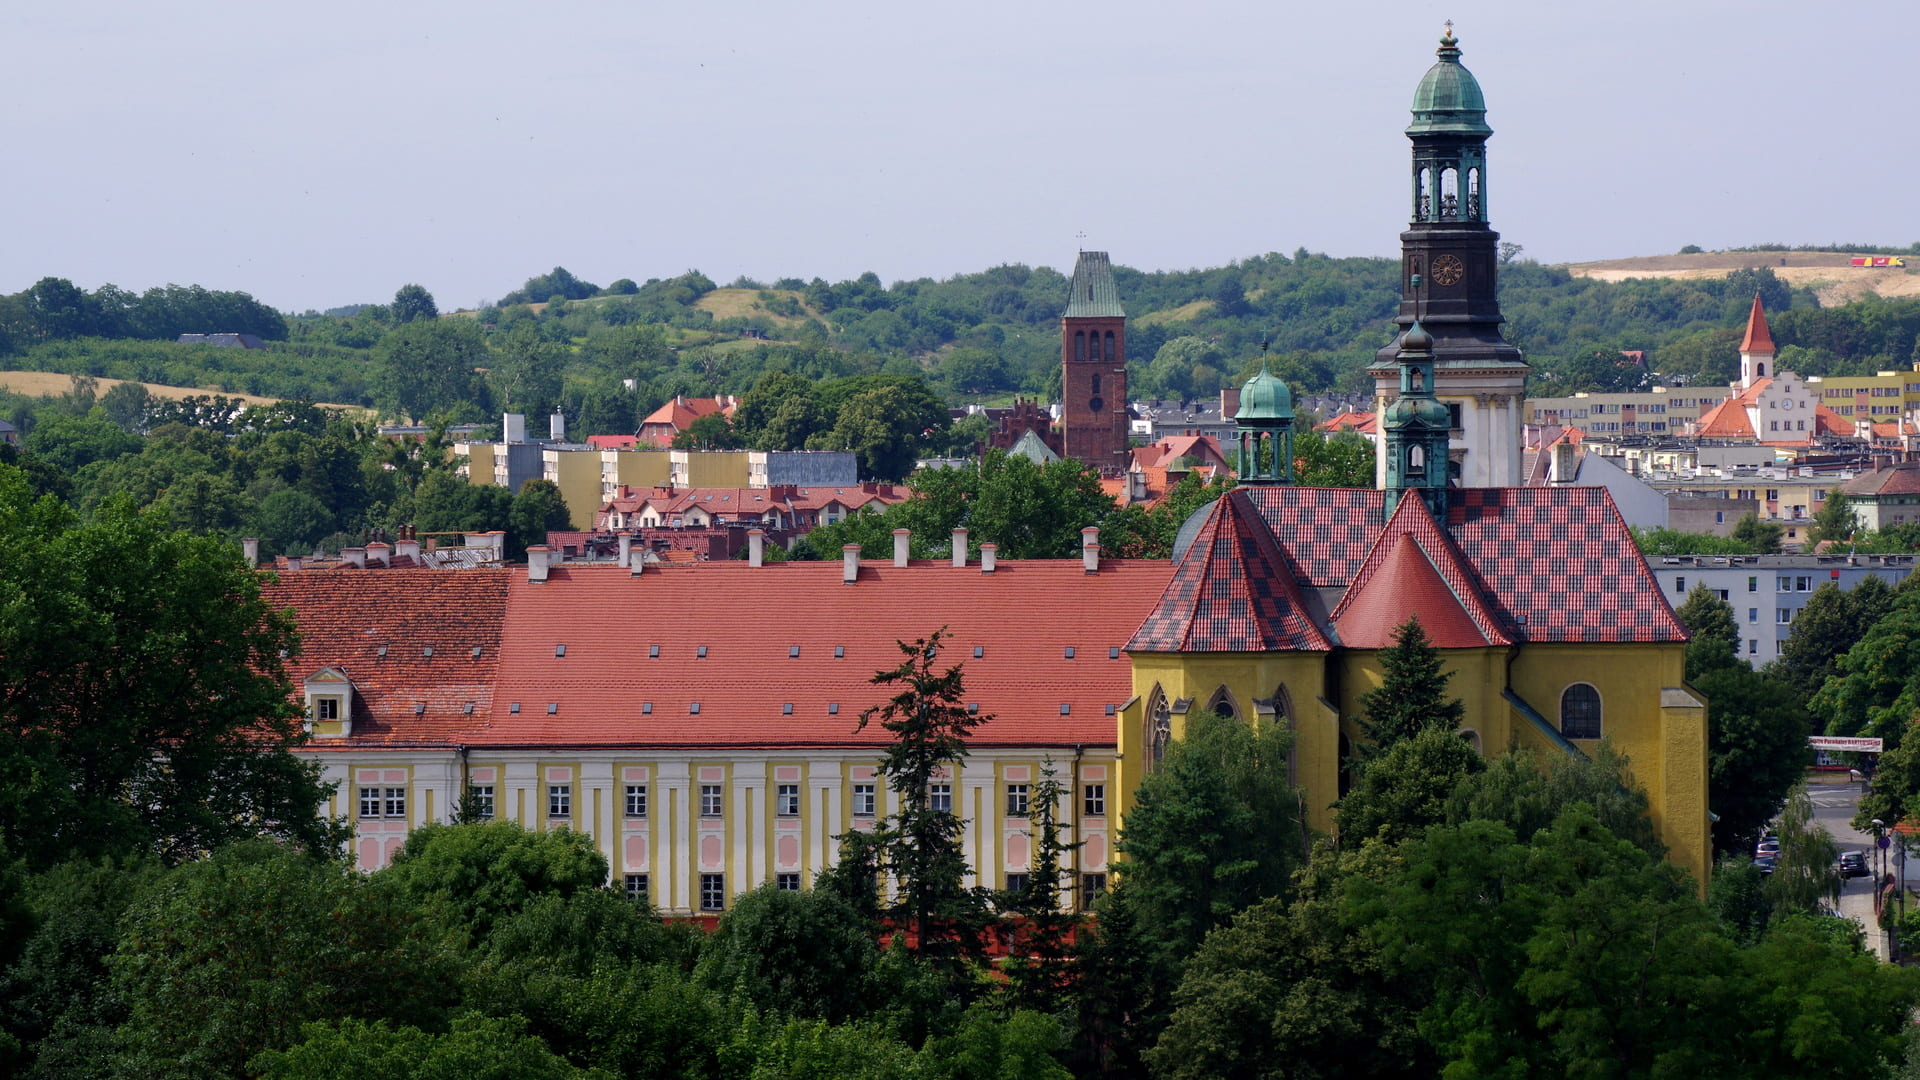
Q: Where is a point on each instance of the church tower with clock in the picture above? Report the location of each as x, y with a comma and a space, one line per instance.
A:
1093, 361
1448, 261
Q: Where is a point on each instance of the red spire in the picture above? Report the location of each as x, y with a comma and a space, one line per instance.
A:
1759, 339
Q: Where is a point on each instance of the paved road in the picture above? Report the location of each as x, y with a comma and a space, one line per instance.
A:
1833, 808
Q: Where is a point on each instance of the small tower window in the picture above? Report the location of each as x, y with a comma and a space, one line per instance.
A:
1110, 352
1096, 384
1079, 344
1416, 459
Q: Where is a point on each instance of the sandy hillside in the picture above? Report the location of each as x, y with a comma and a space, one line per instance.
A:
1829, 274
49, 384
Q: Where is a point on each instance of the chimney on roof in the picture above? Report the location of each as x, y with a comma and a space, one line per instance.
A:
756, 547
354, 556
1560, 464
1136, 486
900, 547
557, 426
850, 563
407, 547
380, 554
513, 428
1090, 549
250, 547
987, 552
294, 563
537, 556
959, 547
626, 549
497, 540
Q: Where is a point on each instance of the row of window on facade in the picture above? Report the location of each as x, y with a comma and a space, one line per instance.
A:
391, 802
1782, 583
713, 888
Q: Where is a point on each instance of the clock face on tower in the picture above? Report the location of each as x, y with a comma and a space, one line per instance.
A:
1448, 270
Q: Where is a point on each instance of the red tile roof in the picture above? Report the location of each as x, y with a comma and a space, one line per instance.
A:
1233, 592
1900, 479
613, 442
1560, 564
1364, 422
377, 628
1759, 338
1415, 568
610, 689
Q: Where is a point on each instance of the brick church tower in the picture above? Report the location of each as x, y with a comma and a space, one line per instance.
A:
1093, 361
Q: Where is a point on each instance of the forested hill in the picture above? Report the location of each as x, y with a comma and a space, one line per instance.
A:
603, 355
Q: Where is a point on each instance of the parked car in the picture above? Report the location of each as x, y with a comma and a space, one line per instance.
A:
1763, 863
1769, 845
1853, 864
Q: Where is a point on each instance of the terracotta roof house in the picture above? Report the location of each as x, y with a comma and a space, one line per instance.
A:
1889, 496
1775, 409
676, 416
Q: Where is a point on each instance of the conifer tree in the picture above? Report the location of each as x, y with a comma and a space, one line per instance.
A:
1413, 696
1037, 967
920, 844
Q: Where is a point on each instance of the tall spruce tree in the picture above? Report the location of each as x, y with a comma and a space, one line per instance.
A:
1413, 696
920, 844
1834, 521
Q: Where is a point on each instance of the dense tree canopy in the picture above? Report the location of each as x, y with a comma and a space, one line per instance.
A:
120, 637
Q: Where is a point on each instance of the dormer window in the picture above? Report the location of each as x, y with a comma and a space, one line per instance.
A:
329, 703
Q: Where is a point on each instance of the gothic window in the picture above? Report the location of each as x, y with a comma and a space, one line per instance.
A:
1096, 385
1159, 728
1580, 712
1110, 353
1222, 705
1079, 344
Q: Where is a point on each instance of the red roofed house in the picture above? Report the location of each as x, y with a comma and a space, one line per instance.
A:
676, 416
1772, 409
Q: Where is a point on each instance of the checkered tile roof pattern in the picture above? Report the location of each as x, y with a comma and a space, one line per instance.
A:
407, 639
1561, 564
1232, 593
1326, 531
1415, 568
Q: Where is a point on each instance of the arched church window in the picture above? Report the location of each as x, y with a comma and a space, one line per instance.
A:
1580, 712
1079, 344
1473, 194
1222, 705
1760, 370
1096, 385
1449, 194
1416, 459
1159, 728
1423, 199
1110, 353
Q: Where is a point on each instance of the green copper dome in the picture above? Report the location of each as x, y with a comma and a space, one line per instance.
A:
1265, 397
1449, 101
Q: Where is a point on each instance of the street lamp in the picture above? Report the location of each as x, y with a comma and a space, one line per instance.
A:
1879, 856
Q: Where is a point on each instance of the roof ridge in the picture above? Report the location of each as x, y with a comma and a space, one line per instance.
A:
1258, 608
1452, 566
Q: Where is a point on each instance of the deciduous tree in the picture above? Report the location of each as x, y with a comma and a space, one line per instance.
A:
144, 704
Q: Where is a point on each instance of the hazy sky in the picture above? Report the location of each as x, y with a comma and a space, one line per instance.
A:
325, 154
